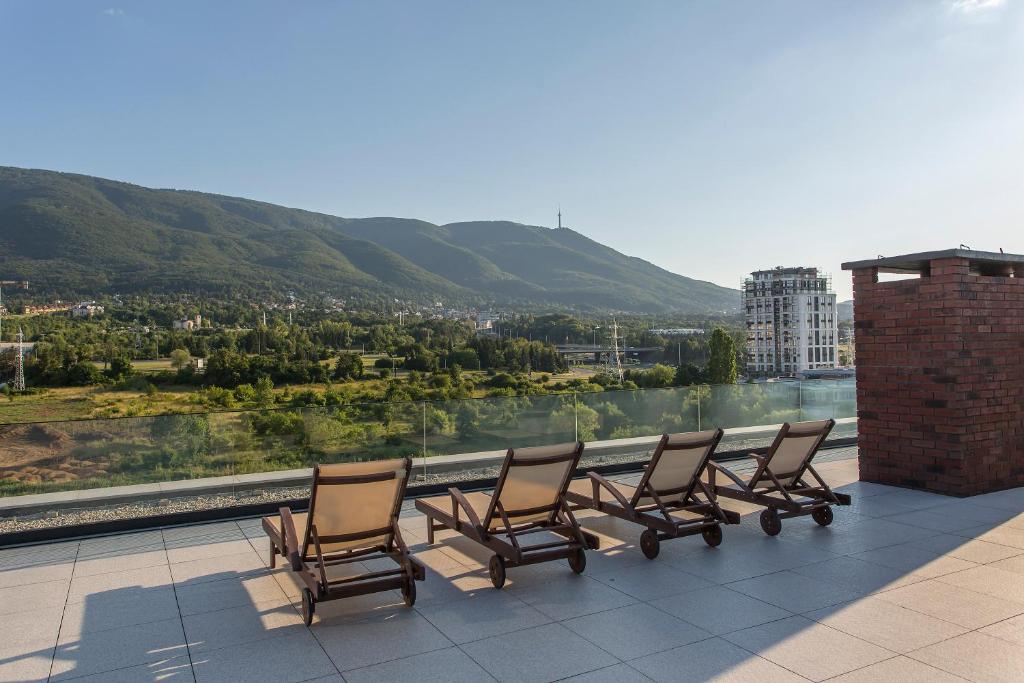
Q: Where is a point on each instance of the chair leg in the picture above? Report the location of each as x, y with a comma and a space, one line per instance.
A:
430, 531
273, 554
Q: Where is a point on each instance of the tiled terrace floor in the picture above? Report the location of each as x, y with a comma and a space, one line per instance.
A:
904, 586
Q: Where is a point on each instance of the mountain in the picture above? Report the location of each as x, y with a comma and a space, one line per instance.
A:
76, 235
844, 311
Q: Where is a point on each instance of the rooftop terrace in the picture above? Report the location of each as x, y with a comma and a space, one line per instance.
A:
904, 585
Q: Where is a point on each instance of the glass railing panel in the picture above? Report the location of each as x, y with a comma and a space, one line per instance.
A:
623, 426
466, 439
750, 413
175, 463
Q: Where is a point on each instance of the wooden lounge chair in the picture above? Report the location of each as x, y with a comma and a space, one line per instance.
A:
779, 481
353, 516
666, 499
529, 497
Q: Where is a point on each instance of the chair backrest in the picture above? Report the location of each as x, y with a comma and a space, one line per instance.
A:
678, 461
532, 481
793, 449
354, 505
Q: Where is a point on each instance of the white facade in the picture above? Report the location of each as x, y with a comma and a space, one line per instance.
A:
792, 322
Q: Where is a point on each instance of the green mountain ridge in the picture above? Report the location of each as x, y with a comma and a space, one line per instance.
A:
77, 235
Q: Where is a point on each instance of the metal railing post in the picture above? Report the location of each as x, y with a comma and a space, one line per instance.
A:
575, 418
698, 406
799, 401
424, 439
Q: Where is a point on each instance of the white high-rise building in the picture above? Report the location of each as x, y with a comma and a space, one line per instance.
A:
791, 321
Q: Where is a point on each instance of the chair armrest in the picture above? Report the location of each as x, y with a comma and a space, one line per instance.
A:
600, 482
459, 501
291, 538
715, 467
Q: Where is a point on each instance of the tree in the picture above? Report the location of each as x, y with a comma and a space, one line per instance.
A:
722, 363
688, 374
180, 358
348, 366
120, 367
264, 394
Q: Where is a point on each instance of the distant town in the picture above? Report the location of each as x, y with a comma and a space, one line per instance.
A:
125, 355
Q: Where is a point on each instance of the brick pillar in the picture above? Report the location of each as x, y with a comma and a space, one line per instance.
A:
940, 378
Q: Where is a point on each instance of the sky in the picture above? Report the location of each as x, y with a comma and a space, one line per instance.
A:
711, 138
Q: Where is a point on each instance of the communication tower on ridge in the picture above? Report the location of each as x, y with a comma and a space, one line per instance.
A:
19, 368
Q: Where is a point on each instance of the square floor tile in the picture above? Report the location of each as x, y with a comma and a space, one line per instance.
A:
112, 584
1010, 564
972, 550
857, 575
719, 609
483, 615
27, 662
218, 568
175, 670
294, 658
618, 673
452, 583
356, 644
902, 669
38, 597
635, 631
807, 648
205, 551
976, 657
121, 560
952, 603
712, 660
794, 592
651, 580
1011, 630
449, 666
30, 627
239, 625
886, 624
989, 580
915, 560
118, 608
44, 572
211, 596
1001, 535
102, 651
936, 519
571, 596
544, 653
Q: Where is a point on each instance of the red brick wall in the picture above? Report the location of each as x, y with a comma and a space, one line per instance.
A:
940, 379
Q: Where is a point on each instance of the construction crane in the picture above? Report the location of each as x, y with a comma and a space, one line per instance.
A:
20, 284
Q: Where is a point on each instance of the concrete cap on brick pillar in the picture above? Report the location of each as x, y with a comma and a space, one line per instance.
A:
978, 263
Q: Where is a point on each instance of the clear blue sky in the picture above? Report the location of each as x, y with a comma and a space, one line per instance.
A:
710, 138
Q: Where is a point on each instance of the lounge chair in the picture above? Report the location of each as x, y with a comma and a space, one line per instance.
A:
529, 497
352, 517
779, 482
666, 499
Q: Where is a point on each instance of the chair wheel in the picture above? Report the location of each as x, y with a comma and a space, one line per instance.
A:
822, 516
496, 568
409, 591
308, 606
712, 535
649, 544
770, 522
578, 561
